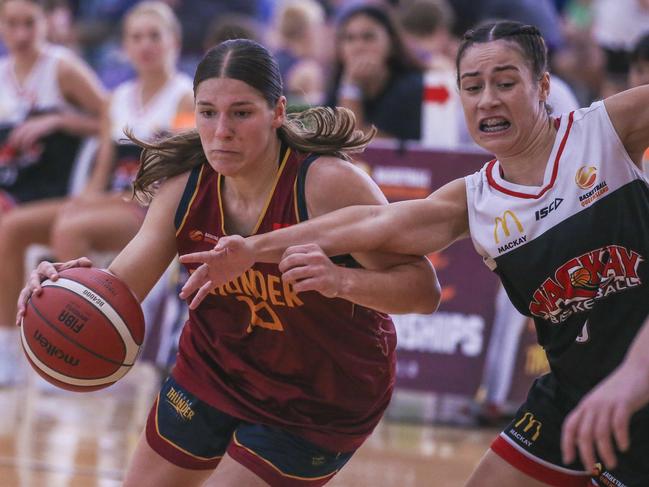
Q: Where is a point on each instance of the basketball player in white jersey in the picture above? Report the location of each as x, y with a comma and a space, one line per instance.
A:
98, 219
562, 216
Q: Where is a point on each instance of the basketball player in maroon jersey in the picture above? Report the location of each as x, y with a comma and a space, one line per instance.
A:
562, 215
274, 384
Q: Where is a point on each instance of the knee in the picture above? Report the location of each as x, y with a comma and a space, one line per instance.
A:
66, 231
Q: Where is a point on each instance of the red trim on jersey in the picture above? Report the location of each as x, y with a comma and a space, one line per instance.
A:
555, 170
535, 470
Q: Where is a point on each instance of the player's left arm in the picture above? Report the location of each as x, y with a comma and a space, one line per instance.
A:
630, 119
391, 283
605, 413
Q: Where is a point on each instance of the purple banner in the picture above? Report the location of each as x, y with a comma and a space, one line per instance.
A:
443, 352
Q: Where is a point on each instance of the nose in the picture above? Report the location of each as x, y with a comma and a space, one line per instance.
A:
489, 97
223, 127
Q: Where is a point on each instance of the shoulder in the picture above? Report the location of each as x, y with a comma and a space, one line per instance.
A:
325, 193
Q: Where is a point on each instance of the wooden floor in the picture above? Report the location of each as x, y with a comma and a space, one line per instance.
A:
57, 439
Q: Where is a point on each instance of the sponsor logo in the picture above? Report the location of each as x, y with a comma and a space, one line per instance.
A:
543, 212
605, 478
586, 176
531, 426
180, 403
579, 283
53, 350
502, 227
198, 236
594, 194
71, 321
318, 460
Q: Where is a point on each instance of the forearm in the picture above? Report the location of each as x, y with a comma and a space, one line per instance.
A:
637, 356
409, 288
77, 123
340, 232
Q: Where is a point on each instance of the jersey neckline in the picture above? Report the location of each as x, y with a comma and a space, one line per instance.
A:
497, 182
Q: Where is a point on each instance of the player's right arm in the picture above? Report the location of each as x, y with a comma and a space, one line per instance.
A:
141, 263
414, 227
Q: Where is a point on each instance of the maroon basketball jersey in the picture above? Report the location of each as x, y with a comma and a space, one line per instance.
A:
321, 368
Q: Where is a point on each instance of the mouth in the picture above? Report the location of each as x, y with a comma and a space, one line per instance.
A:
494, 125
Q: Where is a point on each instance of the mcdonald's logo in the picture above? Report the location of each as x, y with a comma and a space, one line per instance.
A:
501, 223
530, 424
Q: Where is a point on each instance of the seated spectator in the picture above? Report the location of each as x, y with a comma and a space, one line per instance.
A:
49, 99
375, 75
101, 218
299, 28
426, 25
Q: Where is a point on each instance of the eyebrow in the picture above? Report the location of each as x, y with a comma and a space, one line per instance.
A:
497, 69
235, 104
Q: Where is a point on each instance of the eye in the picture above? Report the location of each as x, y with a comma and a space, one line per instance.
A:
242, 114
506, 84
207, 113
472, 88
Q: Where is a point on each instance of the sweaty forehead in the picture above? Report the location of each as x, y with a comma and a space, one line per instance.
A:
483, 57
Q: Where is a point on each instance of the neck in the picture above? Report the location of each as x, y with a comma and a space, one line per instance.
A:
527, 166
24, 61
151, 82
255, 185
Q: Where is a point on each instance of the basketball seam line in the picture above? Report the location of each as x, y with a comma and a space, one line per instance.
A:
107, 300
48, 323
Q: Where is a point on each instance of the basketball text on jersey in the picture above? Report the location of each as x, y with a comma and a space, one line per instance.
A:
260, 292
581, 281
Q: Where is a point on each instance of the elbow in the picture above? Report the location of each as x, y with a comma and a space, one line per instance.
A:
429, 303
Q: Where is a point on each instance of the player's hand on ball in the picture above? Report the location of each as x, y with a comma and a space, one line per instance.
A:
229, 258
307, 268
44, 270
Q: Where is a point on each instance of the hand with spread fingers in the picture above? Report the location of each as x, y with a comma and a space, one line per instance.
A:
599, 425
307, 268
44, 270
229, 258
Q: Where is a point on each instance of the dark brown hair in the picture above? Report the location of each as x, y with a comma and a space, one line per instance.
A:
319, 130
526, 37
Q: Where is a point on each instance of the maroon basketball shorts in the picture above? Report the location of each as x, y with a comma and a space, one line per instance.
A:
191, 434
532, 443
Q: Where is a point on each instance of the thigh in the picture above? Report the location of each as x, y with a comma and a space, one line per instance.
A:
186, 431
32, 222
148, 469
278, 458
494, 471
108, 225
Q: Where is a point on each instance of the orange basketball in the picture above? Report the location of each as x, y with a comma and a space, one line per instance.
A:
580, 278
84, 331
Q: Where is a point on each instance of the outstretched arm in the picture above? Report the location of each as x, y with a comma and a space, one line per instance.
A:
415, 227
630, 121
605, 413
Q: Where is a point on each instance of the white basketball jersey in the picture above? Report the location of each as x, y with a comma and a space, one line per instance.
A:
572, 253
39, 90
145, 120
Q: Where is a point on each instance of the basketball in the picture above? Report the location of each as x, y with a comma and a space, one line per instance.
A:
84, 331
580, 278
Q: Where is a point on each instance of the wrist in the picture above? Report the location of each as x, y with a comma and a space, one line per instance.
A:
349, 91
